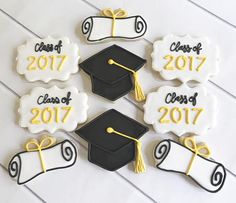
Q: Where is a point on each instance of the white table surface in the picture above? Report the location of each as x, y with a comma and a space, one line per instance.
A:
85, 182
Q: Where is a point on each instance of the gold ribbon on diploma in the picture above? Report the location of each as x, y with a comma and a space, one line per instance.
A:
198, 149
36, 145
114, 14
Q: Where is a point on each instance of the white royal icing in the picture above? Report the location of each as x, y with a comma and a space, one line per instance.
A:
98, 28
25, 166
65, 115
57, 63
174, 157
155, 109
174, 50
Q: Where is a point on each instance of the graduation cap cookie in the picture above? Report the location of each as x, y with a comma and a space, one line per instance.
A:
114, 141
113, 73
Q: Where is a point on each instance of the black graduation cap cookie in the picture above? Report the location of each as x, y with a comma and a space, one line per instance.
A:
113, 72
114, 141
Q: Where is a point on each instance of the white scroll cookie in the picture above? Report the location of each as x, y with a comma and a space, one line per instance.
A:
53, 109
41, 157
181, 110
185, 58
208, 174
113, 25
47, 59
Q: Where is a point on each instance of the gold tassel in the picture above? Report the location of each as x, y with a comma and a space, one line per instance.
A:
139, 94
139, 166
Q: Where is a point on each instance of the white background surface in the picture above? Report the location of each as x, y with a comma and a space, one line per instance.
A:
85, 182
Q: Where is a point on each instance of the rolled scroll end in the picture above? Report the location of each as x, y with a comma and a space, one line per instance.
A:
87, 27
14, 168
161, 151
68, 151
218, 178
140, 26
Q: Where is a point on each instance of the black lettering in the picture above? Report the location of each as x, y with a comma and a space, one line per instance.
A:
185, 48
46, 99
173, 97
66, 99
39, 47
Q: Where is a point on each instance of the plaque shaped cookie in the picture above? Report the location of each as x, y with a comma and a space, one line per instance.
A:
40, 157
185, 58
53, 109
193, 160
47, 59
181, 110
113, 24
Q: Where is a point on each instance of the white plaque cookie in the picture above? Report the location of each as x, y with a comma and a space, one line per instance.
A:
185, 58
47, 59
180, 110
53, 109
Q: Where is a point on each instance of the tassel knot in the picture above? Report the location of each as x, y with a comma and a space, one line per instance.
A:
139, 94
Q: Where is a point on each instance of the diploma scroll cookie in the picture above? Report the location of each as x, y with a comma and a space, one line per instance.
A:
181, 110
113, 24
41, 156
53, 109
47, 59
185, 58
193, 161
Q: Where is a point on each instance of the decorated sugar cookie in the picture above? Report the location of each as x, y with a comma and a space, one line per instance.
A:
185, 58
113, 24
114, 141
47, 59
181, 110
114, 73
41, 157
191, 159
53, 109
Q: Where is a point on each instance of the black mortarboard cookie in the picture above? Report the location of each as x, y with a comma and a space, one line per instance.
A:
113, 141
113, 72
